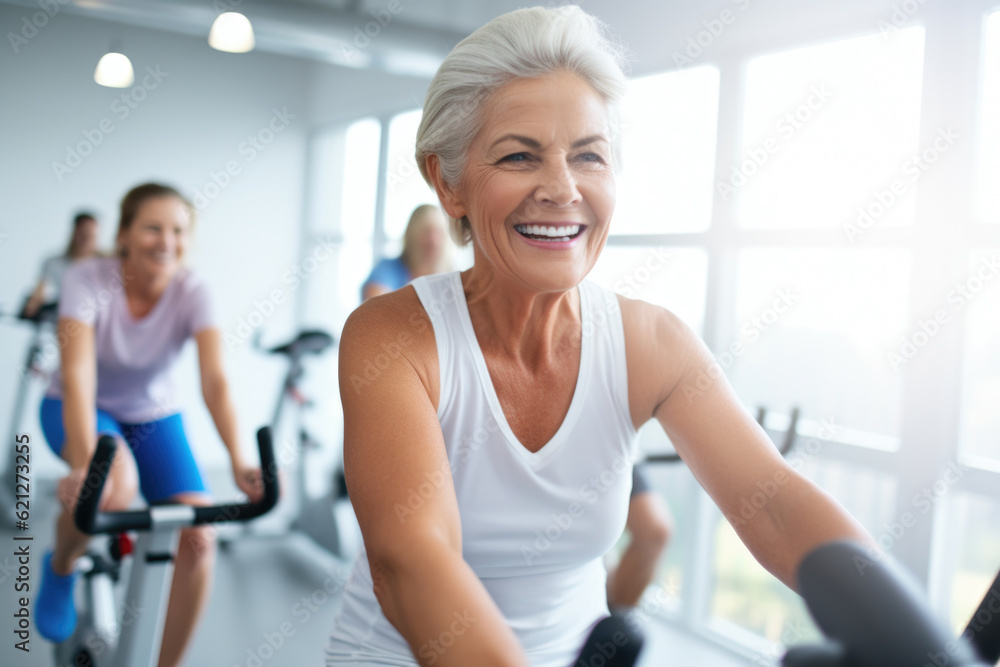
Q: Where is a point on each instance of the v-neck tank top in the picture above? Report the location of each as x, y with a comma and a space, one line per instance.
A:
535, 525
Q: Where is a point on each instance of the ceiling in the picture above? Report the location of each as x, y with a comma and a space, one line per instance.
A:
420, 33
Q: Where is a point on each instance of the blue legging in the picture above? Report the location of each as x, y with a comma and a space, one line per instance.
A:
160, 448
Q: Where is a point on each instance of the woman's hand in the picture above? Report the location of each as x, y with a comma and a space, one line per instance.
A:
70, 487
249, 480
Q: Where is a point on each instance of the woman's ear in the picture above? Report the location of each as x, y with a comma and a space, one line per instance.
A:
451, 200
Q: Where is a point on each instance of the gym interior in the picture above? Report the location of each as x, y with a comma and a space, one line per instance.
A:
812, 187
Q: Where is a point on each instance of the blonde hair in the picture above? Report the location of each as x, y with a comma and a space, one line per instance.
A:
421, 213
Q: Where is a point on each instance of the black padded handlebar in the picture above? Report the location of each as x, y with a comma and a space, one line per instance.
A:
875, 614
93, 522
612, 643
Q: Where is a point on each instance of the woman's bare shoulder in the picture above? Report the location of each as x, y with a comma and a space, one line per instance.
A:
387, 330
658, 345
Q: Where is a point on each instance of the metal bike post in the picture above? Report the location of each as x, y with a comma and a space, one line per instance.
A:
152, 572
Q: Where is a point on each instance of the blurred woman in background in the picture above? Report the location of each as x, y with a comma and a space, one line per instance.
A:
82, 244
125, 320
426, 250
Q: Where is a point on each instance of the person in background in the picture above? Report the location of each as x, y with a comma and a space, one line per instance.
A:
82, 244
125, 320
425, 251
649, 526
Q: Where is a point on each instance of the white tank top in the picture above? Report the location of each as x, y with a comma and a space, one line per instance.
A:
534, 525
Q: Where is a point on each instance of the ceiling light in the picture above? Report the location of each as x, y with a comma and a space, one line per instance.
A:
114, 70
231, 32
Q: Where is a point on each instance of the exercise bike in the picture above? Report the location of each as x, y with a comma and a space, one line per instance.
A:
875, 616
33, 368
101, 639
329, 519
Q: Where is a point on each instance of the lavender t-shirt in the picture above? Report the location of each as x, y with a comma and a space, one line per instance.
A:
134, 357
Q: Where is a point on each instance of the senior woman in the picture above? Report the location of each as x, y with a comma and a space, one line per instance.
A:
490, 461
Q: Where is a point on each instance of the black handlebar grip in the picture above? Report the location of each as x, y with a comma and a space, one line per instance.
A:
830, 654
874, 609
612, 643
87, 517
984, 626
248, 511
91, 521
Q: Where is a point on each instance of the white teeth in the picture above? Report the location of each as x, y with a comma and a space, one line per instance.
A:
560, 233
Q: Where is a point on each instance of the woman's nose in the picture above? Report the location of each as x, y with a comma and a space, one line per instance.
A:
557, 186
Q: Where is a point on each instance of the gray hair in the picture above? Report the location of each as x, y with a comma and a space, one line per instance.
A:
525, 43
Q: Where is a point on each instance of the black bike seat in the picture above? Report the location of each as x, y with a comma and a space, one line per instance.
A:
307, 342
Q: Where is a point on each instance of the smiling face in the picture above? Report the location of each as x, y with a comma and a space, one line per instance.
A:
155, 241
538, 186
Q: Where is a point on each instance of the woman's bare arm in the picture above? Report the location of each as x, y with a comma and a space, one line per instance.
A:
731, 456
215, 391
401, 487
78, 365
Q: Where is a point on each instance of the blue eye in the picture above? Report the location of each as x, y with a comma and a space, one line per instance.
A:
514, 157
592, 157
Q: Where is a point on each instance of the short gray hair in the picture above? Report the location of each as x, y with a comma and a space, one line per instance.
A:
525, 43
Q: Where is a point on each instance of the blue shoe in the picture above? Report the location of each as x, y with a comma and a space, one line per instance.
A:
55, 613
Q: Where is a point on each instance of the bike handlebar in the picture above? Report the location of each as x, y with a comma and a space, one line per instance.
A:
612, 643
90, 520
874, 613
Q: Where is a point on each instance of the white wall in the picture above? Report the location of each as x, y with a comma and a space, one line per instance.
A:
186, 130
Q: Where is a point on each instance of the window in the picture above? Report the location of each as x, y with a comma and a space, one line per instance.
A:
405, 187
358, 210
827, 131
668, 140
748, 596
670, 277
980, 422
988, 194
972, 529
816, 328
